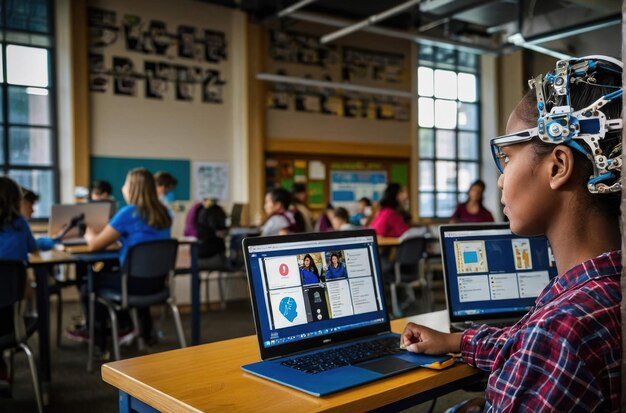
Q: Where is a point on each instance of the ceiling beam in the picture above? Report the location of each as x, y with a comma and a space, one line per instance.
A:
575, 30
369, 21
294, 7
398, 34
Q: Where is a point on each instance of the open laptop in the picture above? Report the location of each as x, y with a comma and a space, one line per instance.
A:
68, 221
491, 275
321, 333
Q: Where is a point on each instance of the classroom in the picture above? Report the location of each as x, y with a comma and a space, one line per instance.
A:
262, 205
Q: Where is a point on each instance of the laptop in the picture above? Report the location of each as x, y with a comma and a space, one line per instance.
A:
491, 275
68, 221
319, 330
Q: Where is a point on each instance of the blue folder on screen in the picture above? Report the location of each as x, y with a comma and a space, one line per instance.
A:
321, 334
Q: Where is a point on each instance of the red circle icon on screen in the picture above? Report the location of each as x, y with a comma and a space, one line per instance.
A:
283, 269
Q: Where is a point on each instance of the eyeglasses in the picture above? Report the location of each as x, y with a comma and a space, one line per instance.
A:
499, 142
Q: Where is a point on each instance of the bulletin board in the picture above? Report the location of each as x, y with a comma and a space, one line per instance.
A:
329, 181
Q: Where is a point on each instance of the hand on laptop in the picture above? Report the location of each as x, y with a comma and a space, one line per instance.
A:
420, 339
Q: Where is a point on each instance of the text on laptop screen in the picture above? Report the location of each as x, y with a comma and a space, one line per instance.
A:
493, 271
314, 288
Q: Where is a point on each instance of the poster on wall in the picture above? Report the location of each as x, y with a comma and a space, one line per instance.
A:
183, 77
347, 187
124, 76
210, 180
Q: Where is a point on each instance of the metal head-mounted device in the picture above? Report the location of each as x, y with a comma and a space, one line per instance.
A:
583, 129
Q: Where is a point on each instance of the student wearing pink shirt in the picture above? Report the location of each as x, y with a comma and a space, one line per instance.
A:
390, 219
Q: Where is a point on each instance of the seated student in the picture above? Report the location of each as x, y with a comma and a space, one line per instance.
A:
280, 220
324, 223
16, 241
566, 353
472, 210
165, 185
102, 191
363, 214
299, 208
340, 220
390, 220
27, 207
308, 271
143, 219
206, 221
335, 269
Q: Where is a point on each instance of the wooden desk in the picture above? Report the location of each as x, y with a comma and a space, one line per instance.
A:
209, 378
388, 241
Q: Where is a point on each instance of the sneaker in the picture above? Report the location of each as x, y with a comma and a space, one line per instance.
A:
125, 337
79, 334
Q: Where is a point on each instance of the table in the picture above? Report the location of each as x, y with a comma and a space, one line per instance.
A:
209, 378
388, 241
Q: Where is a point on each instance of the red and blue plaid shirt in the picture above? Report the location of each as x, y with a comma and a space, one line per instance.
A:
565, 354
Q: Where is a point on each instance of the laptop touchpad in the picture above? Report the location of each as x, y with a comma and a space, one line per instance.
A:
387, 365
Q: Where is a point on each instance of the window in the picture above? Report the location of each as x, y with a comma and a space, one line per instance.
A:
27, 99
448, 129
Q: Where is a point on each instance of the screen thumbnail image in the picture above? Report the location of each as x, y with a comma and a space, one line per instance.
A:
521, 253
316, 302
309, 266
335, 266
288, 308
282, 272
470, 257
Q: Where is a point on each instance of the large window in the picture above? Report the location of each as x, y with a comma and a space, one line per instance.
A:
448, 129
27, 112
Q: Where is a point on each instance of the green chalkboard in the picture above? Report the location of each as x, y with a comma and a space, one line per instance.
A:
114, 170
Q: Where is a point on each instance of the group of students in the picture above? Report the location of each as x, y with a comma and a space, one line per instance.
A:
565, 354
144, 218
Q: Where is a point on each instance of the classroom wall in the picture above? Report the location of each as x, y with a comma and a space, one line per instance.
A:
291, 124
138, 127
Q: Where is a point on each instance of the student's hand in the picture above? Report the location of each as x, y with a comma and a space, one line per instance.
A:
420, 339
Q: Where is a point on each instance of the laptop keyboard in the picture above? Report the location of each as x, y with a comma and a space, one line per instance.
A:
344, 356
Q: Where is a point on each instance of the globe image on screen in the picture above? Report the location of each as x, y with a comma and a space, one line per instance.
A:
288, 308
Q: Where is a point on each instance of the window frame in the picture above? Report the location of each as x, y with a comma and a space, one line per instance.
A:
6, 166
460, 196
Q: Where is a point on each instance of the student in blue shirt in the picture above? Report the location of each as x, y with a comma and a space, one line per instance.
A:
16, 241
144, 219
335, 269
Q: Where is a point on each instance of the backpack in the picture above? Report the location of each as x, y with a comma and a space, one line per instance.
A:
208, 221
299, 225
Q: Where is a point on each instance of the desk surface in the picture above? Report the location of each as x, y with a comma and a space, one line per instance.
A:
50, 257
388, 241
209, 378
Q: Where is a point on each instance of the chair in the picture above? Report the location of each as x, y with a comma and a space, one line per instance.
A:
409, 272
233, 265
148, 260
13, 275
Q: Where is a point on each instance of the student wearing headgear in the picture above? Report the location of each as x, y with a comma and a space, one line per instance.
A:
560, 165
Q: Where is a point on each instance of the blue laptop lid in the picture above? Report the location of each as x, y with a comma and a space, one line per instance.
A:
313, 289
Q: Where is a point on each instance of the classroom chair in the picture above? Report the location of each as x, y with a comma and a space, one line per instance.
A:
13, 274
409, 273
149, 260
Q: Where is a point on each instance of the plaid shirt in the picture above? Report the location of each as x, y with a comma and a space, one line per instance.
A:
565, 354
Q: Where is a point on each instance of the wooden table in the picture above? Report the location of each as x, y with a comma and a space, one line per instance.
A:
388, 241
209, 378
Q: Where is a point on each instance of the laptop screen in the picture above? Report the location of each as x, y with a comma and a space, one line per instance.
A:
491, 272
313, 289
